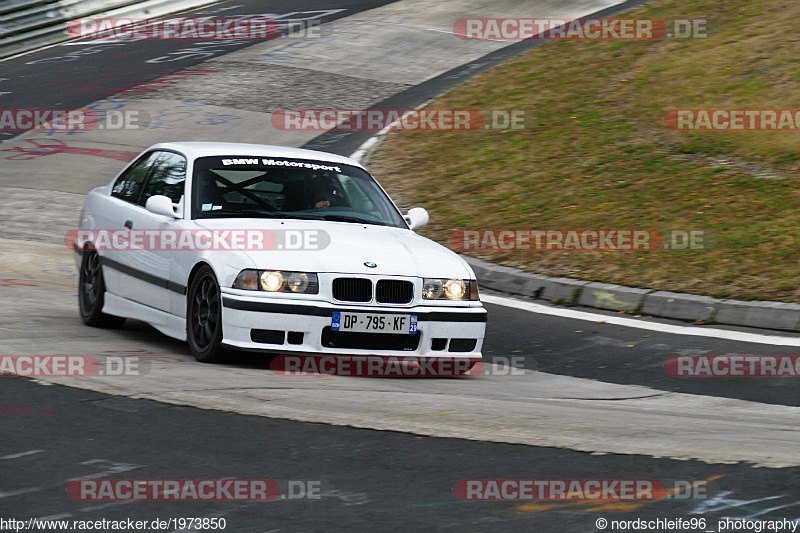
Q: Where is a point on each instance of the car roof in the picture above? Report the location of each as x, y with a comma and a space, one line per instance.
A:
206, 149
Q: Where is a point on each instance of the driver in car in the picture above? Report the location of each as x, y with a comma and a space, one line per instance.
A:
325, 195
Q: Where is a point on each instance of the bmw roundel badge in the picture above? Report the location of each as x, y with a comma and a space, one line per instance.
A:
370, 264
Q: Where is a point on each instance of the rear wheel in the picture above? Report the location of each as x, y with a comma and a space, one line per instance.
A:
204, 318
91, 294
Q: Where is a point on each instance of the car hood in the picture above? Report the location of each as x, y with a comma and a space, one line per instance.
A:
346, 247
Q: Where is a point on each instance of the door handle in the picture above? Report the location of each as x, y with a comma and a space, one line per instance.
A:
129, 224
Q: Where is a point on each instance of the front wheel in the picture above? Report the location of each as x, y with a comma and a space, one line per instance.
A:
204, 318
91, 294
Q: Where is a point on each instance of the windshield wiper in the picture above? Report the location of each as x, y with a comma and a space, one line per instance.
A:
299, 216
345, 218
261, 214
279, 214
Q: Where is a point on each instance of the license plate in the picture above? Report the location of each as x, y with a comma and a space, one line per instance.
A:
369, 323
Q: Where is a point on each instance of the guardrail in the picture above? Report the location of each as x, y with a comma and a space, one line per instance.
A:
29, 24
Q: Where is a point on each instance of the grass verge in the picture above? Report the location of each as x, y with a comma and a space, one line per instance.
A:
600, 155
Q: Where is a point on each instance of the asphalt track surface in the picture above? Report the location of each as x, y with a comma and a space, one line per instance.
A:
50, 79
371, 480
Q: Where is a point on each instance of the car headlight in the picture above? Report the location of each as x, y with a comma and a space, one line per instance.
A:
449, 289
271, 281
277, 281
298, 282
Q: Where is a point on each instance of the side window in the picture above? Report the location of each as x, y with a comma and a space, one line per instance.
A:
168, 178
129, 185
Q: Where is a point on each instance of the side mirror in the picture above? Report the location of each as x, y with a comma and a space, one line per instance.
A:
160, 205
416, 217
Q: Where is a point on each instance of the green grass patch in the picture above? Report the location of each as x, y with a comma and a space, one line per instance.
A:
600, 155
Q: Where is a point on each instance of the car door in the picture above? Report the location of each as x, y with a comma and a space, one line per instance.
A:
150, 258
121, 205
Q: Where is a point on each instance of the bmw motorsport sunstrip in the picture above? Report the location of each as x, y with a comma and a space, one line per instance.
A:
366, 284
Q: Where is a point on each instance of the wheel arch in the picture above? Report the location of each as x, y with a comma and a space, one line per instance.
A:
193, 274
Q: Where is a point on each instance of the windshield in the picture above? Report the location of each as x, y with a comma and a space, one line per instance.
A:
258, 187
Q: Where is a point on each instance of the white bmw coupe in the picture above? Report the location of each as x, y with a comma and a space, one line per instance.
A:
265, 248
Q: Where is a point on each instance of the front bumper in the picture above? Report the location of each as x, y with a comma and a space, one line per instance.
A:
443, 331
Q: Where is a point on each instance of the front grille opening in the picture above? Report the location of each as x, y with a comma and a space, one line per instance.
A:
369, 341
267, 336
438, 345
294, 337
462, 345
352, 289
391, 291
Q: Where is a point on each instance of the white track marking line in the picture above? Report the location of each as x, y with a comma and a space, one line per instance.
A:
21, 454
367, 145
641, 324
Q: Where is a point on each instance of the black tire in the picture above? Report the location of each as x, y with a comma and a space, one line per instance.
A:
91, 293
204, 318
